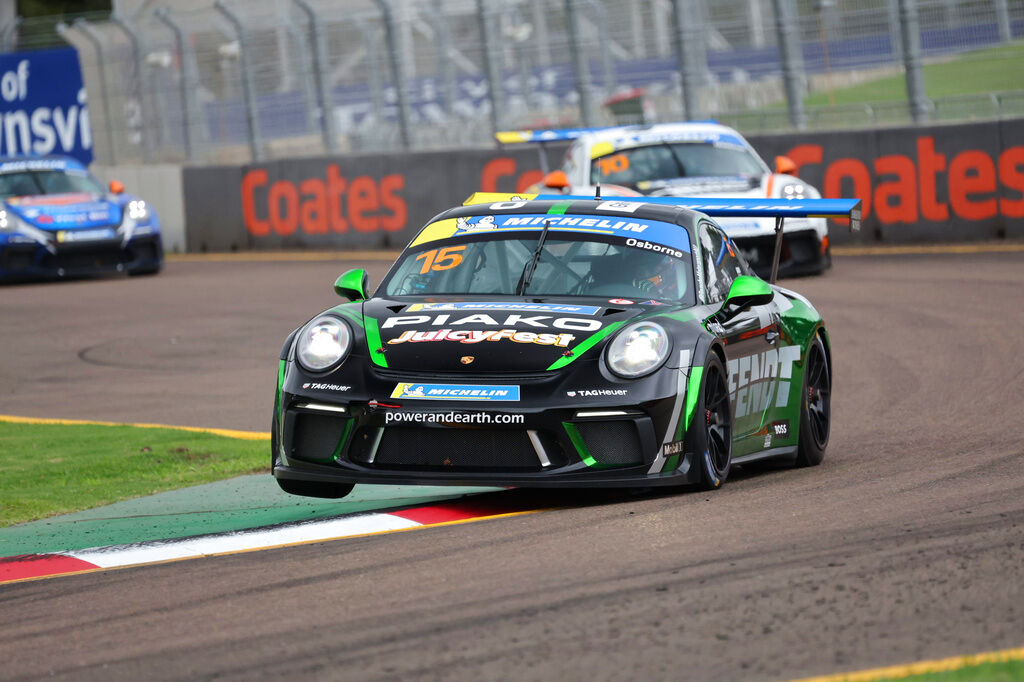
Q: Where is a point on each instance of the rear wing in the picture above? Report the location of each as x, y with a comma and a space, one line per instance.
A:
780, 209
541, 136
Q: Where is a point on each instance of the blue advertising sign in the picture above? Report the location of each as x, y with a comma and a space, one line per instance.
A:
43, 108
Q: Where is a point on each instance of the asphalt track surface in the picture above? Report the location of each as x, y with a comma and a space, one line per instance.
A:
906, 544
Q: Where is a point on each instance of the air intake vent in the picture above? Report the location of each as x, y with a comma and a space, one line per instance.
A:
614, 442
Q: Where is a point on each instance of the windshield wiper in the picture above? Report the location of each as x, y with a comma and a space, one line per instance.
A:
531, 265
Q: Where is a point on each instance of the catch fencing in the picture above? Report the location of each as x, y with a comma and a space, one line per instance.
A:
229, 81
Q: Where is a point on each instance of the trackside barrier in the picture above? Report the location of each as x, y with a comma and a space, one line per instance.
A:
937, 183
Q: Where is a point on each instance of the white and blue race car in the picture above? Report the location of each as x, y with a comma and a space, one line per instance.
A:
58, 220
702, 159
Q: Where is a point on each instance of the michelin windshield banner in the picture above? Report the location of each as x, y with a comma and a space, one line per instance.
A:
43, 105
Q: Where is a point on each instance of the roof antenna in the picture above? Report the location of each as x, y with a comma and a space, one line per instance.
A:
597, 195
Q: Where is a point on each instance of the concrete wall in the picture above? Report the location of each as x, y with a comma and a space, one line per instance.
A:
161, 187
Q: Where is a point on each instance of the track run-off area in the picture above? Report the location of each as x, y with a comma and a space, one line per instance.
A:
906, 544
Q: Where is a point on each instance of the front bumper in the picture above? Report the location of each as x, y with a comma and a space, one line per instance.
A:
803, 253
543, 441
31, 260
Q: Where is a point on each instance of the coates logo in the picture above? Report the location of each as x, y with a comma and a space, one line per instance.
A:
326, 387
322, 205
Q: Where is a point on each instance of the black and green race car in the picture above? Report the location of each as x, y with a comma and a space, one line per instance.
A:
558, 341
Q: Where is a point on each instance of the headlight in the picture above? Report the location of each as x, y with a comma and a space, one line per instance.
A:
137, 210
795, 191
324, 342
638, 349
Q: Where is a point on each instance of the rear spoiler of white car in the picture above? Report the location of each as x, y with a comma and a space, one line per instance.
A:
780, 209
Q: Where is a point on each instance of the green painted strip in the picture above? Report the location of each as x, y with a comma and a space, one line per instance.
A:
560, 208
373, 342
234, 504
581, 446
682, 315
585, 345
692, 393
671, 464
353, 316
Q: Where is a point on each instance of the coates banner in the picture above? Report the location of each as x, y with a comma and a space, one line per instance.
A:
43, 105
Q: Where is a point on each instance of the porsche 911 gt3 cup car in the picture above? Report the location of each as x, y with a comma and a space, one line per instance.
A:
698, 159
57, 220
557, 341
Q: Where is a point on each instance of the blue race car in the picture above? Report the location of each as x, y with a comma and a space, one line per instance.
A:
57, 220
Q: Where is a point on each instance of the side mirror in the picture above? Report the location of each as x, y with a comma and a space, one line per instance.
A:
785, 165
747, 291
352, 285
556, 179
116, 187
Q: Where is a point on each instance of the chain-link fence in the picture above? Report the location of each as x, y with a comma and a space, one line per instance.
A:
226, 81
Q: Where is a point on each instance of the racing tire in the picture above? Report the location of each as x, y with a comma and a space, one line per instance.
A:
712, 430
815, 406
331, 491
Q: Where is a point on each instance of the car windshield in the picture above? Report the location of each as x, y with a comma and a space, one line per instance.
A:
669, 160
569, 265
33, 182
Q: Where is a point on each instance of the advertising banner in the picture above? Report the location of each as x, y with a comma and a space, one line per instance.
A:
43, 105
933, 183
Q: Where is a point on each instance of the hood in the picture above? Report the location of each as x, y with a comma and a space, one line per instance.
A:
456, 335
65, 211
738, 186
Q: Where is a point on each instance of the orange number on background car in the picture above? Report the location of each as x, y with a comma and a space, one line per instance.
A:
614, 164
445, 259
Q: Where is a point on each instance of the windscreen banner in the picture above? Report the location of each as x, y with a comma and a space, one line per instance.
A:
43, 107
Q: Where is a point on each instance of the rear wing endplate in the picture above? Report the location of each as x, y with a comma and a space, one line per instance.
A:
780, 209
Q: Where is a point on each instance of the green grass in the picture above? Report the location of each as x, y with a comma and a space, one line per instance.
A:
992, 70
1005, 671
55, 469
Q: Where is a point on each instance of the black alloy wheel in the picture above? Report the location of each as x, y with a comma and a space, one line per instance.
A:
714, 429
815, 406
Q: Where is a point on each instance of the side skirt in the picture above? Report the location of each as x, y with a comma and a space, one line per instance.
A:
788, 451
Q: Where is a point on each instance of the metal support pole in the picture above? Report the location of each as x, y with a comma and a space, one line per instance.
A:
370, 46
397, 72
1003, 20
686, 28
778, 249
186, 107
791, 54
892, 7
248, 91
495, 85
910, 30
605, 41
318, 49
97, 43
580, 69
443, 45
140, 70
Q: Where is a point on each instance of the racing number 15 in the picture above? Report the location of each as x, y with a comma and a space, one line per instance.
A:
441, 259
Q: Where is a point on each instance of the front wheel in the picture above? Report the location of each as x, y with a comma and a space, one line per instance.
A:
712, 432
815, 406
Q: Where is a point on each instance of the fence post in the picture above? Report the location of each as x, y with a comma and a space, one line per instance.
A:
9, 35
373, 67
686, 27
163, 16
140, 70
893, 11
251, 114
791, 54
580, 69
495, 85
318, 49
1003, 19
605, 39
97, 43
397, 71
910, 30
443, 44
